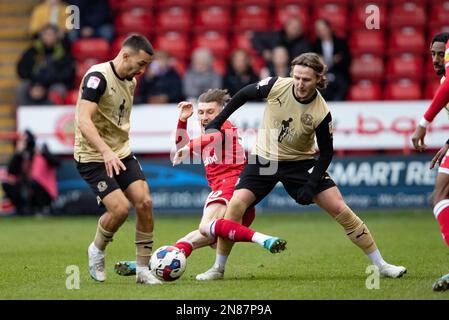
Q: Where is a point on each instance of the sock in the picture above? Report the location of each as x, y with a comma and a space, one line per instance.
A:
141, 269
220, 262
259, 238
376, 258
102, 237
232, 230
144, 248
186, 247
441, 211
356, 230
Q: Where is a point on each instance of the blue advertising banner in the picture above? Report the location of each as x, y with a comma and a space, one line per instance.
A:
365, 182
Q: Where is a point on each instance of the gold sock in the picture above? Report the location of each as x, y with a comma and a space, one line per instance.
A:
102, 237
356, 230
144, 248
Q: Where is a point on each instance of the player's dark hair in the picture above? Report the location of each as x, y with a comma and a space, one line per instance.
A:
220, 96
138, 42
440, 37
313, 61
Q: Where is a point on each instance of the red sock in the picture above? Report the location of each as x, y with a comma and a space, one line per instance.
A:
249, 216
185, 247
443, 219
233, 231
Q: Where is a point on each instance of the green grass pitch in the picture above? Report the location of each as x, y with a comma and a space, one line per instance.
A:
319, 263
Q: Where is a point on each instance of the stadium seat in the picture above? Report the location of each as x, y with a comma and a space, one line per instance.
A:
407, 39
71, 97
219, 65
405, 66
367, 41
97, 48
123, 5
117, 45
365, 90
134, 20
323, 2
303, 3
252, 17
221, 3
216, 42
431, 88
336, 14
180, 65
367, 66
402, 89
252, 2
376, 2
188, 4
175, 43
359, 16
213, 17
439, 14
242, 40
408, 14
174, 19
81, 69
282, 12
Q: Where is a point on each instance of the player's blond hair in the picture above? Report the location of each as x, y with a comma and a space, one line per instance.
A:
313, 61
220, 96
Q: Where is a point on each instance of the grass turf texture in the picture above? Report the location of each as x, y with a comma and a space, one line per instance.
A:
319, 263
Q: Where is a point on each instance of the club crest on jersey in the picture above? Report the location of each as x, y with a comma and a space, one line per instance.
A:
93, 82
102, 186
307, 119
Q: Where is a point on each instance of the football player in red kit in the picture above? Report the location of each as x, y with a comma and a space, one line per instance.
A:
440, 57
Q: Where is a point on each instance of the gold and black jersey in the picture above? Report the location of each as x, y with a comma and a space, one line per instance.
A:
287, 130
114, 97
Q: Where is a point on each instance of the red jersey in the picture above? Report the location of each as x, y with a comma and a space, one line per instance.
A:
222, 152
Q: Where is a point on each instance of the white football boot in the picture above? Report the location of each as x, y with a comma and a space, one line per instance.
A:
391, 271
147, 277
212, 274
96, 263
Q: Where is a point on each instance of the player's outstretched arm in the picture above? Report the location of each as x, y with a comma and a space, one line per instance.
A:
185, 112
86, 126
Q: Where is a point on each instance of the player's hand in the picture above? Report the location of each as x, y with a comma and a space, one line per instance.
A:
185, 110
305, 195
418, 138
180, 155
112, 163
439, 156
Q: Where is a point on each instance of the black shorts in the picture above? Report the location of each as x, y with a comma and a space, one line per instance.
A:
94, 173
261, 175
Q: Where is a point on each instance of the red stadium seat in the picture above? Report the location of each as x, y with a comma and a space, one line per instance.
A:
252, 2
180, 65
365, 90
403, 89
175, 43
303, 3
213, 18
252, 17
71, 97
97, 48
375, 2
439, 14
123, 5
431, 88
221, 3
282, 13
81, 69
406, 39
367, 41
219, 66
175, 3
367, 66
339, 2
174, 19
407, 14
242, 40
360, 17
405, 66
216, 42
336, 14
135, 20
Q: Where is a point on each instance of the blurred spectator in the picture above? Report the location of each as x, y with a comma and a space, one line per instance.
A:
335, 53
95, 20
239, 72
47, 64
31, 183
291, 36
279, 66
200, 76
161, 83
49, 12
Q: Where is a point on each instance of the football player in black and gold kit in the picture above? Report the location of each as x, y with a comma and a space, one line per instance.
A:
104, 158
294, 116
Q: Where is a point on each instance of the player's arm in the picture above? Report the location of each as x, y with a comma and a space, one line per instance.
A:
325, 143
254, 91
185, 112
94, 87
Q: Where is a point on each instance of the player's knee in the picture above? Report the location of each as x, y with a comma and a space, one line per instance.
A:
120, 210
204, 227
144, 205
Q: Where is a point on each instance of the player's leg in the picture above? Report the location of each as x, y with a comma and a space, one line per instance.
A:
139, 194
332, 202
